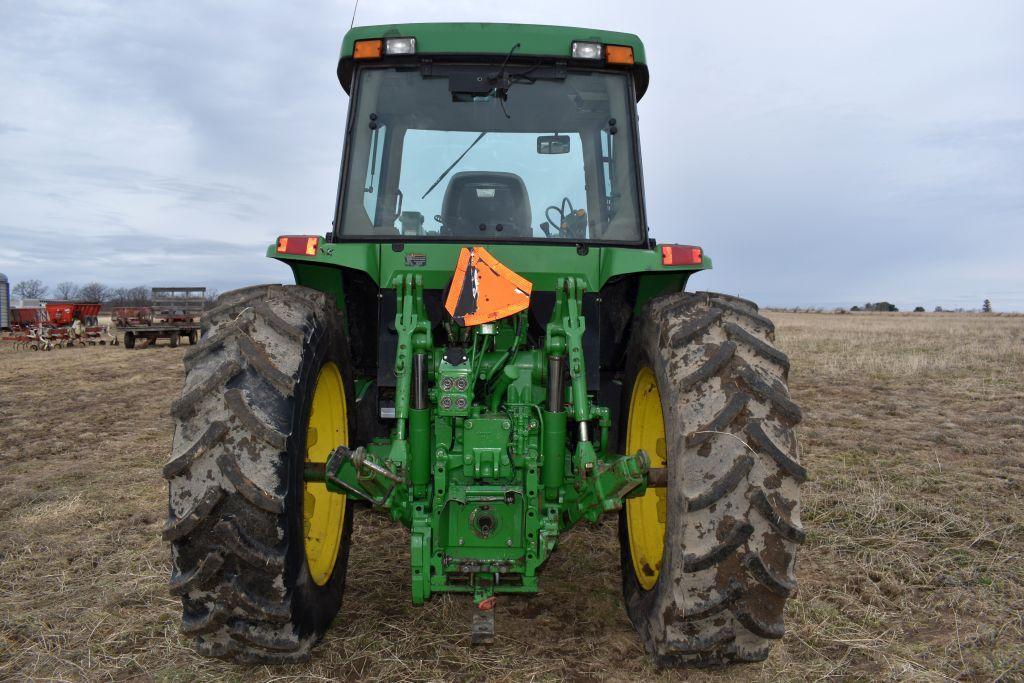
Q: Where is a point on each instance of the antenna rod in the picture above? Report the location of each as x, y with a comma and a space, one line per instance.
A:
354, 8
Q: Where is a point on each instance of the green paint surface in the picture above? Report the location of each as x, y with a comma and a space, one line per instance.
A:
542, 264
485, 38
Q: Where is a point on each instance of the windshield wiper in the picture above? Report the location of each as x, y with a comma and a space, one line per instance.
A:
454, 164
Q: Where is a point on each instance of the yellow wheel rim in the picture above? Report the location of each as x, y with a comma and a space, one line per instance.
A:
323, 512
645, 516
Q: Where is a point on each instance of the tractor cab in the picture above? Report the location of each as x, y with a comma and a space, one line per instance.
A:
532, 139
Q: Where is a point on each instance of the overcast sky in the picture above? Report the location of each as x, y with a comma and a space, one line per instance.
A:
823, 153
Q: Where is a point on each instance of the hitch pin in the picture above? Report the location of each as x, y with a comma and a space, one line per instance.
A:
359, 460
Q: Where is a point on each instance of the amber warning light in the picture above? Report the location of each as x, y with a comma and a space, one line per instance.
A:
368, 49
681, 255
300, 245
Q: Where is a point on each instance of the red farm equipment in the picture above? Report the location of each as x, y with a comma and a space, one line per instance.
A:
56, 324
28, 328
77, 324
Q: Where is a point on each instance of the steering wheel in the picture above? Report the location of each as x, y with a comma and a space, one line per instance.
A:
563, 210
571, 223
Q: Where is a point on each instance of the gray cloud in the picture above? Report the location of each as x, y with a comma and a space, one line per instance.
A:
822, 153
130, 257
8, 128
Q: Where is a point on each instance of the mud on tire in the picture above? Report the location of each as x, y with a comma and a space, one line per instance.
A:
235, 476
732, 513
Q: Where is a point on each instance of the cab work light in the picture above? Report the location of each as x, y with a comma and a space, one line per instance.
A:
299, 245
585, 50
368, 49
681, 255
400, 46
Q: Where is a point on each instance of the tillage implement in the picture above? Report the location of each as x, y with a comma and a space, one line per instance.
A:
488, 347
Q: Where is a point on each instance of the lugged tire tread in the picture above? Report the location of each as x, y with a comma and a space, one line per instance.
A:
239, 653
236, 402
277, 323
694, 329
775, 396
247, 633
230, 302
722, 486
256, 356
250, 490
214, 619
235, 594
737, 654
763, 349
761, 442
736, 403
212, 343
782, 586
742, 311
702, 643
733, 386
182, 583
702, 611
229, 557
736, 537
772, 631
763, 504
176, 528
738, 300
214, 434
722, 355
228, 305
246, 548
185, 406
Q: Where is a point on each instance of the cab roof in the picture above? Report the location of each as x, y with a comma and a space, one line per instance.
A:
465, 39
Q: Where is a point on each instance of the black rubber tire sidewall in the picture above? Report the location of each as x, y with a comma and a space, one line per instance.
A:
313, 606
640, 601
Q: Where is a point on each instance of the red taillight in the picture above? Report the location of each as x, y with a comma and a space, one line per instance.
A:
681, 255
300, 245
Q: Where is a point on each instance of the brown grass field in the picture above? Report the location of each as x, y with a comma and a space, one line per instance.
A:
913, 567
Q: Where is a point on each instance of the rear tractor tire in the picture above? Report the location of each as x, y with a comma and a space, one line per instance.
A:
259, 556
708, 561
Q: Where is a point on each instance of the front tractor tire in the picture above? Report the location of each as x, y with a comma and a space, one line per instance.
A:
708, 561
259, 556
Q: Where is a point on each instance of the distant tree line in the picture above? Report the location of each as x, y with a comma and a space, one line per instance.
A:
92, 292
885, 306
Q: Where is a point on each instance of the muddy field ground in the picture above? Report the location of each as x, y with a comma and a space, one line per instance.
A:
913, 566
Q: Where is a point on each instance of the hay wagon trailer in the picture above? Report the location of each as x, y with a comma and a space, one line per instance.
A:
175, 313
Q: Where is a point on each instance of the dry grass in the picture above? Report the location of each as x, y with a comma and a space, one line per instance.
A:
914, 565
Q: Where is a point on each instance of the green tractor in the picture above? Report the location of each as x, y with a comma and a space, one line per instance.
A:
500, 357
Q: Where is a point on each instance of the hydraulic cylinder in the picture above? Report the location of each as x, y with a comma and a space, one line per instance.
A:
419, 427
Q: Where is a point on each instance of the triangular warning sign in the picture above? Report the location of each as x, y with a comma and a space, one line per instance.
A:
484, 290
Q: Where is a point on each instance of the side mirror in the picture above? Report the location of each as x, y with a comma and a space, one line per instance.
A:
553, 144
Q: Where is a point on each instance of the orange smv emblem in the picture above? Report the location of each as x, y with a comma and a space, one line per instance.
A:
484, 289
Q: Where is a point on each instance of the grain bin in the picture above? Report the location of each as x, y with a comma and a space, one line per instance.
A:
5, 302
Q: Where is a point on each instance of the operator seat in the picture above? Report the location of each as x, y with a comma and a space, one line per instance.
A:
488, 198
